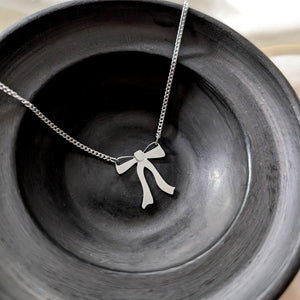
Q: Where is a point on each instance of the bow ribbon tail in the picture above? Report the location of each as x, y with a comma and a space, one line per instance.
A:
159, 180
147, 196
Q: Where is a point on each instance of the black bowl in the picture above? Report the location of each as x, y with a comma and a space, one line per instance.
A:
71, 228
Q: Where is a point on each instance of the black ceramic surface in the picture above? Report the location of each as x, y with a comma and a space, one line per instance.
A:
71, 228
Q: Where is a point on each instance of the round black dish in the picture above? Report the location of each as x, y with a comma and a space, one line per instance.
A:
71, 228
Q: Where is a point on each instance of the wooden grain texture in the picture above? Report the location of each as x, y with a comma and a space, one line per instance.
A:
71, 228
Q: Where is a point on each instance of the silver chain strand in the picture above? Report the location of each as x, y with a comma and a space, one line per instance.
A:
172, 71
54, 127
85, 148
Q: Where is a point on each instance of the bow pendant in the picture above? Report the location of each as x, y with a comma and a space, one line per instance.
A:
141, 158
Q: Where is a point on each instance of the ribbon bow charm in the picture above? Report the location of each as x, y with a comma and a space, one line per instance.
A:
141, 158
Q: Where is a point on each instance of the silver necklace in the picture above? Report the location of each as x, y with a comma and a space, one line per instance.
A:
140, 158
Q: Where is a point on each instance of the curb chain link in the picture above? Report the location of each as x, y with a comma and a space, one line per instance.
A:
172, 71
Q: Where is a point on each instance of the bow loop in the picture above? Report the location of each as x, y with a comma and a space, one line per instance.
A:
156, 152
125, 166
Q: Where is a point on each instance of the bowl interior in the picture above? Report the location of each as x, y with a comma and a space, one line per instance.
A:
112, 103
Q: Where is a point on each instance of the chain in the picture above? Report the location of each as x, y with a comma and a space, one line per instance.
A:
172, 71
55, 128
85, 148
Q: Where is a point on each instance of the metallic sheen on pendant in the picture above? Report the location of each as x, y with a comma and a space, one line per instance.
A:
141, 158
